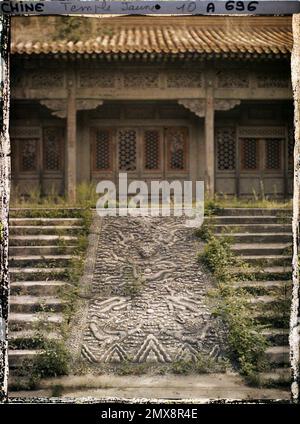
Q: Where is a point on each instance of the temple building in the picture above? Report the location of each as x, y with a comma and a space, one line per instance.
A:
160, 98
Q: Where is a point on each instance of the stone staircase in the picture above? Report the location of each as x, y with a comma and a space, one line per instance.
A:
263, 240
41, 250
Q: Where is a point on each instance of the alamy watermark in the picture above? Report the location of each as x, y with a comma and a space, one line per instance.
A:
155, 198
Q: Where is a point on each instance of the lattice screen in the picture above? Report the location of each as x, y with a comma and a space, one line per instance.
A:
103, 150
249, 153
225, 140
176, 141
291, 143
273, 153
52, 149
127, 139
152, 149
28, 154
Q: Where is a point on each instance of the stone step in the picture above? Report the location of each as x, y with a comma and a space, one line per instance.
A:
36, 288
45, 229
28, 303
44, 212
245, 249
266, 299
268, 273
257, 260
26, 335
252, 228
44, 221
251, 219
257, 238
18, 356
41, 261
21, 322
269, 286
282, 212
41, 240
41, 250
31, 274
277, 336
278, 354
272, 319
277, 375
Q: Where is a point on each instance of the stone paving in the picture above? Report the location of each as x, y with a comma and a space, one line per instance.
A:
148, 296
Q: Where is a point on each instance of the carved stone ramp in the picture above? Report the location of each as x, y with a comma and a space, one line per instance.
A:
148, 298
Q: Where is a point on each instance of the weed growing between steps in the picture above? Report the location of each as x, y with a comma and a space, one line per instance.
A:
221, 201
54, 360
246, 342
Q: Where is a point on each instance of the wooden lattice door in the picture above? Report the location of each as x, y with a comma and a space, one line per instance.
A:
144, 153
262, 165
38, 160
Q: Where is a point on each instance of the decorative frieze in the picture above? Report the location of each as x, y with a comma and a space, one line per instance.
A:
184, 79
45, 79
96, 78
272, 80
233, 78
141, 79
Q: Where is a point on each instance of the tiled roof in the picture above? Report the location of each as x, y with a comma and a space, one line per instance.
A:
158, 35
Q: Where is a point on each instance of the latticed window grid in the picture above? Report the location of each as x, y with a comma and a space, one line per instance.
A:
176, 141
273, 153
127, 149
52, 149
225, 138
103, 150
250, 153
291, 143
152, 149
28, 155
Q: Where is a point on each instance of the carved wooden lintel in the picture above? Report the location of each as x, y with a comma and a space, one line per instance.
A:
197, 106
88, 104
59, 107
226, 104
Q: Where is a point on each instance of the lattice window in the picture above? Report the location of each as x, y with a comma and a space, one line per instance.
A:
28, 154
127, 149
52, 149
225, 138
152, 149
273, 153
249, 153
102, 154
291, 143
176, 141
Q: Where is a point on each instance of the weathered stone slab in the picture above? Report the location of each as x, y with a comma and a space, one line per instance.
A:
148, 296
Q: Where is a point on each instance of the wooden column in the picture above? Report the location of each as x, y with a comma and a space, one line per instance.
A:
209, 143
71, 142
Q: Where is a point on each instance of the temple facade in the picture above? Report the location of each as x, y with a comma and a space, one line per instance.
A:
160, 98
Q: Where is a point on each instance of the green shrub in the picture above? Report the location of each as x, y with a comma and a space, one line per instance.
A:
246, 341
